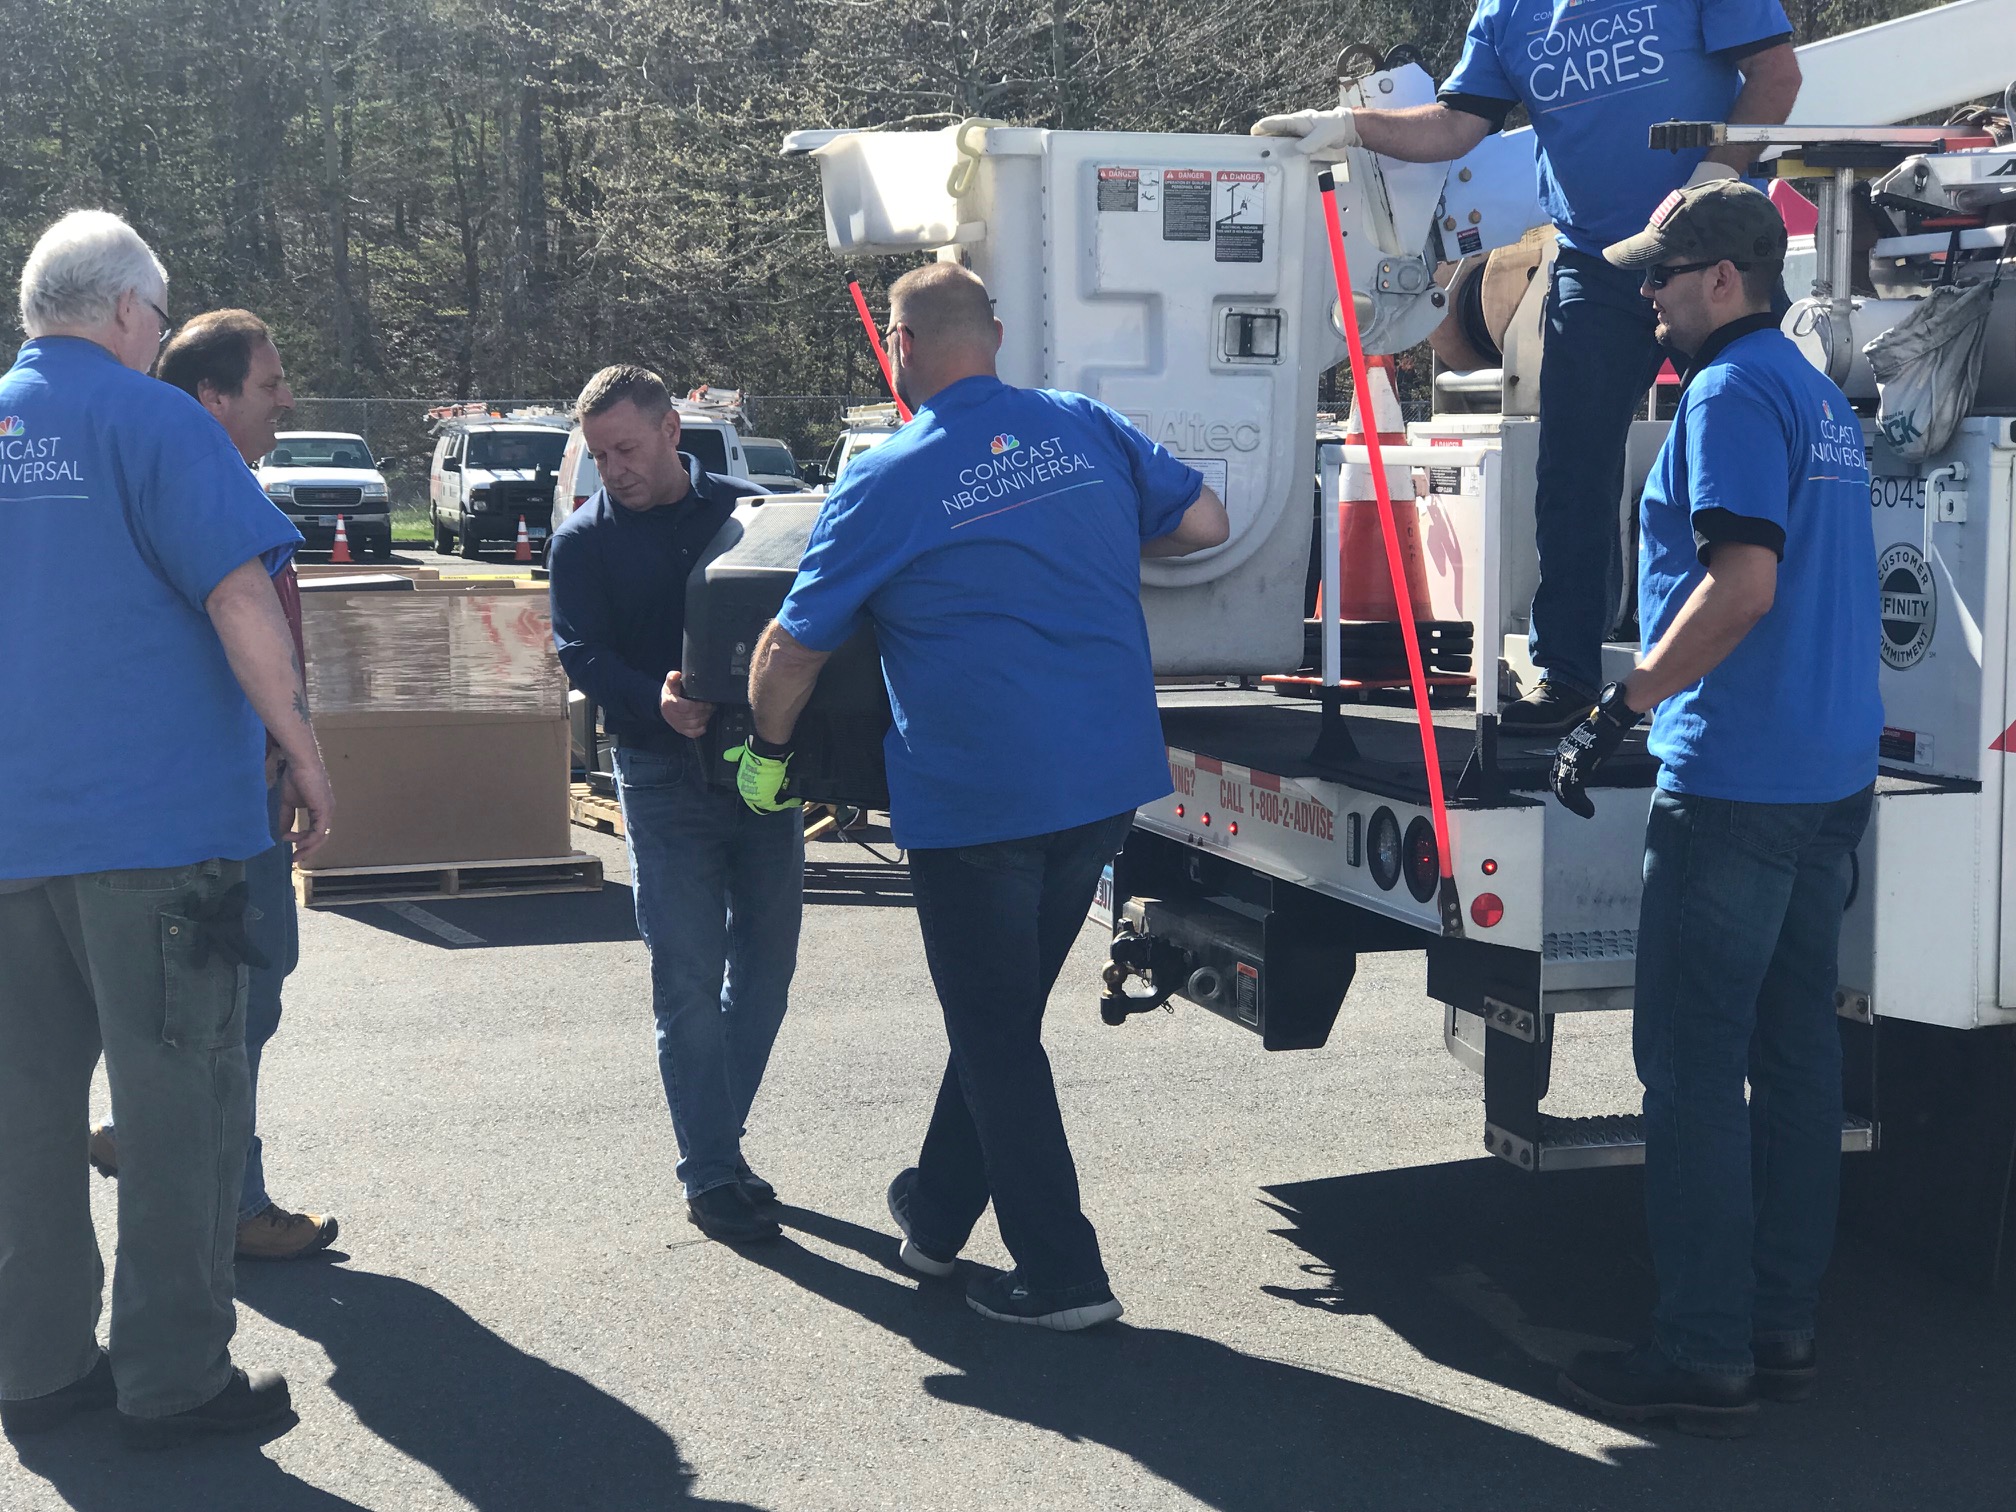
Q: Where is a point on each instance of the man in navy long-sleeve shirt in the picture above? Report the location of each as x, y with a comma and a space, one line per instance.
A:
719, 889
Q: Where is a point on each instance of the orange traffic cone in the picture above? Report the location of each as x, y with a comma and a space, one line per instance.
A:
1364, 582
340, 551
524, 551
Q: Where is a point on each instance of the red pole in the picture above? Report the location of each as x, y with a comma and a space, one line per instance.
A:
875, 341
1452, 913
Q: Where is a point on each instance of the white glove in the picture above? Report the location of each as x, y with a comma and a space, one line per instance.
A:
1318, 130
1706, 173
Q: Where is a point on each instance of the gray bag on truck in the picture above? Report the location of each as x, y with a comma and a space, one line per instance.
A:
1928, 366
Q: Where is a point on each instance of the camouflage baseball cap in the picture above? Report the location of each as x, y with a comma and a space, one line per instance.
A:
1723, 218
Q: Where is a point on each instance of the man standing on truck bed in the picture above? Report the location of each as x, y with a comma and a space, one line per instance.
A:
1759, 598
1593, 79
995, 543
719, 889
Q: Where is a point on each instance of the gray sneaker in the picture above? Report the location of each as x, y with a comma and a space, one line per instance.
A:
921, 1260
1554, 708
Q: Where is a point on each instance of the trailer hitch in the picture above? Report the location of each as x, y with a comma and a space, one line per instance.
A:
1155, 961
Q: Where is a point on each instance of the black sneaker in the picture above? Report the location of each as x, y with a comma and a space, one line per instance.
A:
925, 1262
1554, 708
1643, 1386
38, 1414
1006, 1298
1786, 1369
247, 1404
727, 1214
755, 1188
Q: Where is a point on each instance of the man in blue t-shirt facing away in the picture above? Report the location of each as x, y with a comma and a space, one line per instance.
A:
146, 648
719, 890
1594, 79
1757, 586
995, 542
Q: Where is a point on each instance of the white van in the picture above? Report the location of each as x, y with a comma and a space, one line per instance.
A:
488, 473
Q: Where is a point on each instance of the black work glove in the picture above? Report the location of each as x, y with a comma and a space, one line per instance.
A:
1588, 746
221, 927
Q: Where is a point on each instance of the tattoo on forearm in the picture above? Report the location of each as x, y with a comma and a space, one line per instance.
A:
301, 705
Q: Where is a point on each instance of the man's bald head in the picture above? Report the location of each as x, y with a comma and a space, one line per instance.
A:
942, 330
945, 305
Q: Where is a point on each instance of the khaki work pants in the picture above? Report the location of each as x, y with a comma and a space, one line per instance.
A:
120, 962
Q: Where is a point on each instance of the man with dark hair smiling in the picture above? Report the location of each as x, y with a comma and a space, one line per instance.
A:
995, 542
719, 889
1757, 585
226, 361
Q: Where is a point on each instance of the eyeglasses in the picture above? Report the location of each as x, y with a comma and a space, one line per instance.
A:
167, 326
889, 336
1657, 277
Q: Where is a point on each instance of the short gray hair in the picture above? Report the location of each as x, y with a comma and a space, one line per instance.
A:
80, 268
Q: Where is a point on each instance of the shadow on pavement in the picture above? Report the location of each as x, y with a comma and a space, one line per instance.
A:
1238, 1431
856, 880
88, 1467
586, 918
1504, 1278
504, 1429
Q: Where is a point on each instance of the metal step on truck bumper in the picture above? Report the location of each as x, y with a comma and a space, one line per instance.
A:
1568, 1144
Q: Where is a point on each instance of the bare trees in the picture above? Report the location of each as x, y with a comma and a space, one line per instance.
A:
467, 196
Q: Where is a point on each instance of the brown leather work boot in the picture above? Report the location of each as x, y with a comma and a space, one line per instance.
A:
277, 1234
103, 1151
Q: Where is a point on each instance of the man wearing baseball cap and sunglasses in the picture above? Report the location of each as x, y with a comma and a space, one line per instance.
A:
1757, 592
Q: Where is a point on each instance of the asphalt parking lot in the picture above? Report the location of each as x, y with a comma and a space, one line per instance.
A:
1333, 1301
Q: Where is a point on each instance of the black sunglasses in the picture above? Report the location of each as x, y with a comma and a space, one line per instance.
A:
167, 326
1657, 277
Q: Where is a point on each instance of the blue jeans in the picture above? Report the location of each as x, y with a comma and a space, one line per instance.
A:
720, 890
276, 933
1737, 950
998, 921
1598, 359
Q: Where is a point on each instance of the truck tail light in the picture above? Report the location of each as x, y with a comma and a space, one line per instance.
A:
1422, 861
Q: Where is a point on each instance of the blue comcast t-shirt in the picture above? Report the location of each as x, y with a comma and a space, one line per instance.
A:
1595, 77
1765, 449
995, 541
122, 505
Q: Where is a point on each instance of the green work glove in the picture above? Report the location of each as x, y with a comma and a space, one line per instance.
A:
759, 779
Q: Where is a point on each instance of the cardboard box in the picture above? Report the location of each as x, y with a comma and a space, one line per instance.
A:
443, 721
424, 786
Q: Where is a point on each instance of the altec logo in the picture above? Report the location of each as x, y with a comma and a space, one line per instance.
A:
10, 425
1003, 443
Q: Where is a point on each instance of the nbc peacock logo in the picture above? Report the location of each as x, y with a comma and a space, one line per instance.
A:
1001, 443
11, 425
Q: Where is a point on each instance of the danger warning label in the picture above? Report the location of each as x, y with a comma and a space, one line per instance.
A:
1240, 216
1186, 204
1119, 188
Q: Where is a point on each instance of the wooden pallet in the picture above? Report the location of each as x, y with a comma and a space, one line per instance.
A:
340, 886
591, 810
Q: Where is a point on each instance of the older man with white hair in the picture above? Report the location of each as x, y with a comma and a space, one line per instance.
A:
144, 637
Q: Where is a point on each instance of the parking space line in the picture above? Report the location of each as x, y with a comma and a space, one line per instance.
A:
434, 924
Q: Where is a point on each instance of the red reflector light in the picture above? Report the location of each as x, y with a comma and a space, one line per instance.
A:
1207, 821
1179, 811
1490, 868
1232, 828
1486, 909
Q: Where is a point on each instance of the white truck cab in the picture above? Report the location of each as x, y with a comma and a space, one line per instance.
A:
319, 477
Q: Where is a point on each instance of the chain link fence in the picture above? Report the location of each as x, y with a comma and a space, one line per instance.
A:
402, 438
